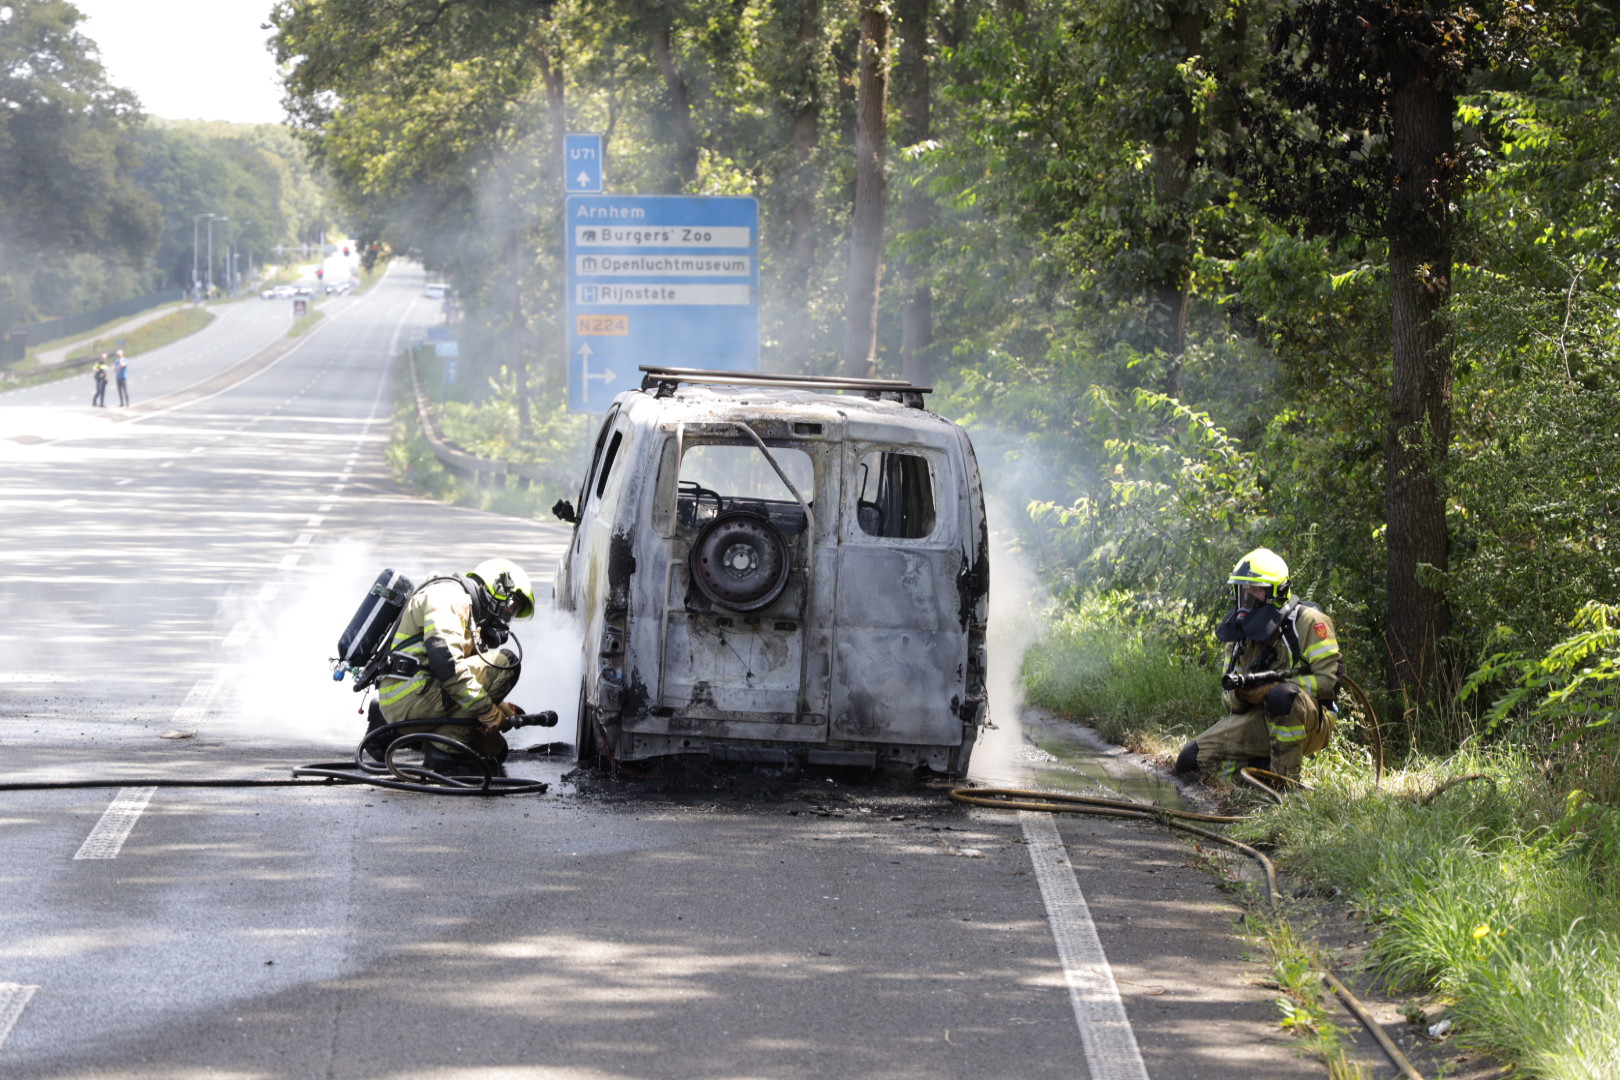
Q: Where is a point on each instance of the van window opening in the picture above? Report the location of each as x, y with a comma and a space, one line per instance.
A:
607, 463
895, 496
719, 477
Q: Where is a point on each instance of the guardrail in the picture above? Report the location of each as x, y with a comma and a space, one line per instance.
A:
484, 471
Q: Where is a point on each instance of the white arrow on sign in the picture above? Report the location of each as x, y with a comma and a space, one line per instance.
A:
586, 375
584, 179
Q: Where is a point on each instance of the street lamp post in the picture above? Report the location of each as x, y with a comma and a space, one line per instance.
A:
211, 219
196, 281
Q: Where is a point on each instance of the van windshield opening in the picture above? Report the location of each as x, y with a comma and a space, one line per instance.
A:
716, 478
895, 495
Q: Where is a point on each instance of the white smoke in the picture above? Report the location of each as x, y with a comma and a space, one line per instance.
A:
1018, 603
281, 640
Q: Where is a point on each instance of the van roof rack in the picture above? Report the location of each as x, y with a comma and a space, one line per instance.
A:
664, 381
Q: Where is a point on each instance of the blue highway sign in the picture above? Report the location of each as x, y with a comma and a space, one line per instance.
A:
658, 279
582, 154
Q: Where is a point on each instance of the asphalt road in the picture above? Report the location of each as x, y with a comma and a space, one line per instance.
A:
184, 567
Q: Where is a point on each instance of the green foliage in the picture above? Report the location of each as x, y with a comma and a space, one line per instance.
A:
182, 322
65, 157
1100, 665
1497, 894
1566, 699
255, 176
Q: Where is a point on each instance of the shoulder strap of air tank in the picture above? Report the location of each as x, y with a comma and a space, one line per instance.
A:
1290, 632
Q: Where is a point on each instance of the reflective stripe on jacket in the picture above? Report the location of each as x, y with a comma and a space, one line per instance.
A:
436, 629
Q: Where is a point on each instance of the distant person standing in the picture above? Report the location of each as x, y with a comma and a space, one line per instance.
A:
100, 398
121, 371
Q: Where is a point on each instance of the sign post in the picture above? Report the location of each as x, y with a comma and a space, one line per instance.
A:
658, 279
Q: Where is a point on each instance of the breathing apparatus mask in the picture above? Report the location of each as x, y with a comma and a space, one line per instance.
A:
1250, 619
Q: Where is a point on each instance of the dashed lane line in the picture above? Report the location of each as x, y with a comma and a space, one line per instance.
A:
13, 1000
1105, 1030
107, 838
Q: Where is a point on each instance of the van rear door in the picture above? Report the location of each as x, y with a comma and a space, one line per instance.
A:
900, 649
738, 594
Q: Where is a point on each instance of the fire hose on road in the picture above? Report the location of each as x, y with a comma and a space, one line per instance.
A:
1181, 820
382, 769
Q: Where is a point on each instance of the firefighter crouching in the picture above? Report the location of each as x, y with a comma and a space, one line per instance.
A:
1282, 671
446, 660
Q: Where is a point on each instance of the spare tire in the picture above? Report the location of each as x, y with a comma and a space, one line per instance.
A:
740, 561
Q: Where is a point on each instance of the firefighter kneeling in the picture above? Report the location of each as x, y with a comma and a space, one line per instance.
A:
446, 661
1282, 671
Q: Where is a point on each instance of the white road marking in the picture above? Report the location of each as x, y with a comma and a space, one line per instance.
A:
191, 710
289, 560
268, 591
238, 634
314, 522
125, 480
303, 540
1105, 1030
13, 1000
107, 838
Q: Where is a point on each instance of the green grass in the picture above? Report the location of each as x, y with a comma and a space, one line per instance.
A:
1497, 895
306, 322
1488, 878
177, 324
182, 322
1095, 667
488, 429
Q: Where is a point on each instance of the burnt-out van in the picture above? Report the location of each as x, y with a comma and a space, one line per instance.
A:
779, 569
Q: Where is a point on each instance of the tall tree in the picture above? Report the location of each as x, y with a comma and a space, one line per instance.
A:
1369, 145
66, 153
871, 191
916, 207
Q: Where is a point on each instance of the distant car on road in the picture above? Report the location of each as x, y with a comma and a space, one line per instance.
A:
277, 292
303, 290
435, 290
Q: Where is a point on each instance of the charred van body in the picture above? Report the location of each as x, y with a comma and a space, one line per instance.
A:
769, 570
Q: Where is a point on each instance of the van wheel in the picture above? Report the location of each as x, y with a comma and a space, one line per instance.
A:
585, 745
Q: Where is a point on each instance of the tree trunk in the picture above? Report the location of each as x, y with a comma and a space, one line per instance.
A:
1418, 437
557, 115
680, 107
806, 113
866, 223
1172, 174
917, 208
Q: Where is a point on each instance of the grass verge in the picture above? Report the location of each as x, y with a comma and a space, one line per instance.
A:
1094, 666
1486, 879
306, 322
490, 429
1488, 886
182, 322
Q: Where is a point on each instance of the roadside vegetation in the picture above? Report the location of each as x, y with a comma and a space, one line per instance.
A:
486, 425
304, 323
100, 204
181, 322
1198, 277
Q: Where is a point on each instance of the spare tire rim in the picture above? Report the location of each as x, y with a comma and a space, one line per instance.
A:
739, 561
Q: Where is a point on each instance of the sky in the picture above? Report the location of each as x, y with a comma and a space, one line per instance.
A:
189, 59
